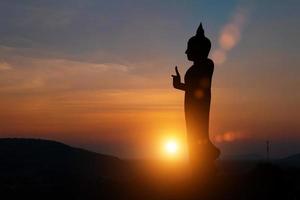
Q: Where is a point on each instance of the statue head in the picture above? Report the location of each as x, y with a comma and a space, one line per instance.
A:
198, 46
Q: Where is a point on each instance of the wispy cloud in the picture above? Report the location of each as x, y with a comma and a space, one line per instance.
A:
5, 66
50, 74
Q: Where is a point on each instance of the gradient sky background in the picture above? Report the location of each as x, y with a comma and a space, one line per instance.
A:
96, 74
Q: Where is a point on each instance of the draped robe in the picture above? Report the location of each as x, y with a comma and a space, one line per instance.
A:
198, 80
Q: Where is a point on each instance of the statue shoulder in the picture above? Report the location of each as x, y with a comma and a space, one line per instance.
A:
210, 65
210, 62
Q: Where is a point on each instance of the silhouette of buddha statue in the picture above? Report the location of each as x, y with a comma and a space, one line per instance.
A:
197, 87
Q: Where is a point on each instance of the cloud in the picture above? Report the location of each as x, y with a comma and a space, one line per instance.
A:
5, 66
230, 35
54, 75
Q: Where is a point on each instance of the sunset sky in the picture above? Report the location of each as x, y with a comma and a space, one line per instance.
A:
97, 74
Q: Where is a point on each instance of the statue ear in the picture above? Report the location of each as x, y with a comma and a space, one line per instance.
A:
200, 31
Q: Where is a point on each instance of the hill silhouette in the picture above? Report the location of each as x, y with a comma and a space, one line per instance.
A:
43, 169
290, 161
36, 156
47, 169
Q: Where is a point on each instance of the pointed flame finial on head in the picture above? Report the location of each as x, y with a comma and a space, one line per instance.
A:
199, 45
200, 31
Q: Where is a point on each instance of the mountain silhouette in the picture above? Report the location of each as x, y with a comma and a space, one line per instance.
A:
47, 169
43, 169
290, 161
33, 156
248, 157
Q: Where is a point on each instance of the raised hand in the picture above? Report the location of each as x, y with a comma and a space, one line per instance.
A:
176, 79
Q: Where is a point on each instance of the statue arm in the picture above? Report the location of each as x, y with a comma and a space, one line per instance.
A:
177, 84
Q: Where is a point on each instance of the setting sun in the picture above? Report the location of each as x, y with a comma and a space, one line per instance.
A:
171, 147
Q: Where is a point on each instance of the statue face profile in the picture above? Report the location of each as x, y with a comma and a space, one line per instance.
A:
198, 46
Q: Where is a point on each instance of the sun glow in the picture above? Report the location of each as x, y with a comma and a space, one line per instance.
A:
171, 147
171, 144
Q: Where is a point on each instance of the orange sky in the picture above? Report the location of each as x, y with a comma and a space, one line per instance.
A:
101, 79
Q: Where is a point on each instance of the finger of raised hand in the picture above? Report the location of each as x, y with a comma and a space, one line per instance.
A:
177, 73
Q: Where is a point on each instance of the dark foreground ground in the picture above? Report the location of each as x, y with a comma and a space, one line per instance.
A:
41, 169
